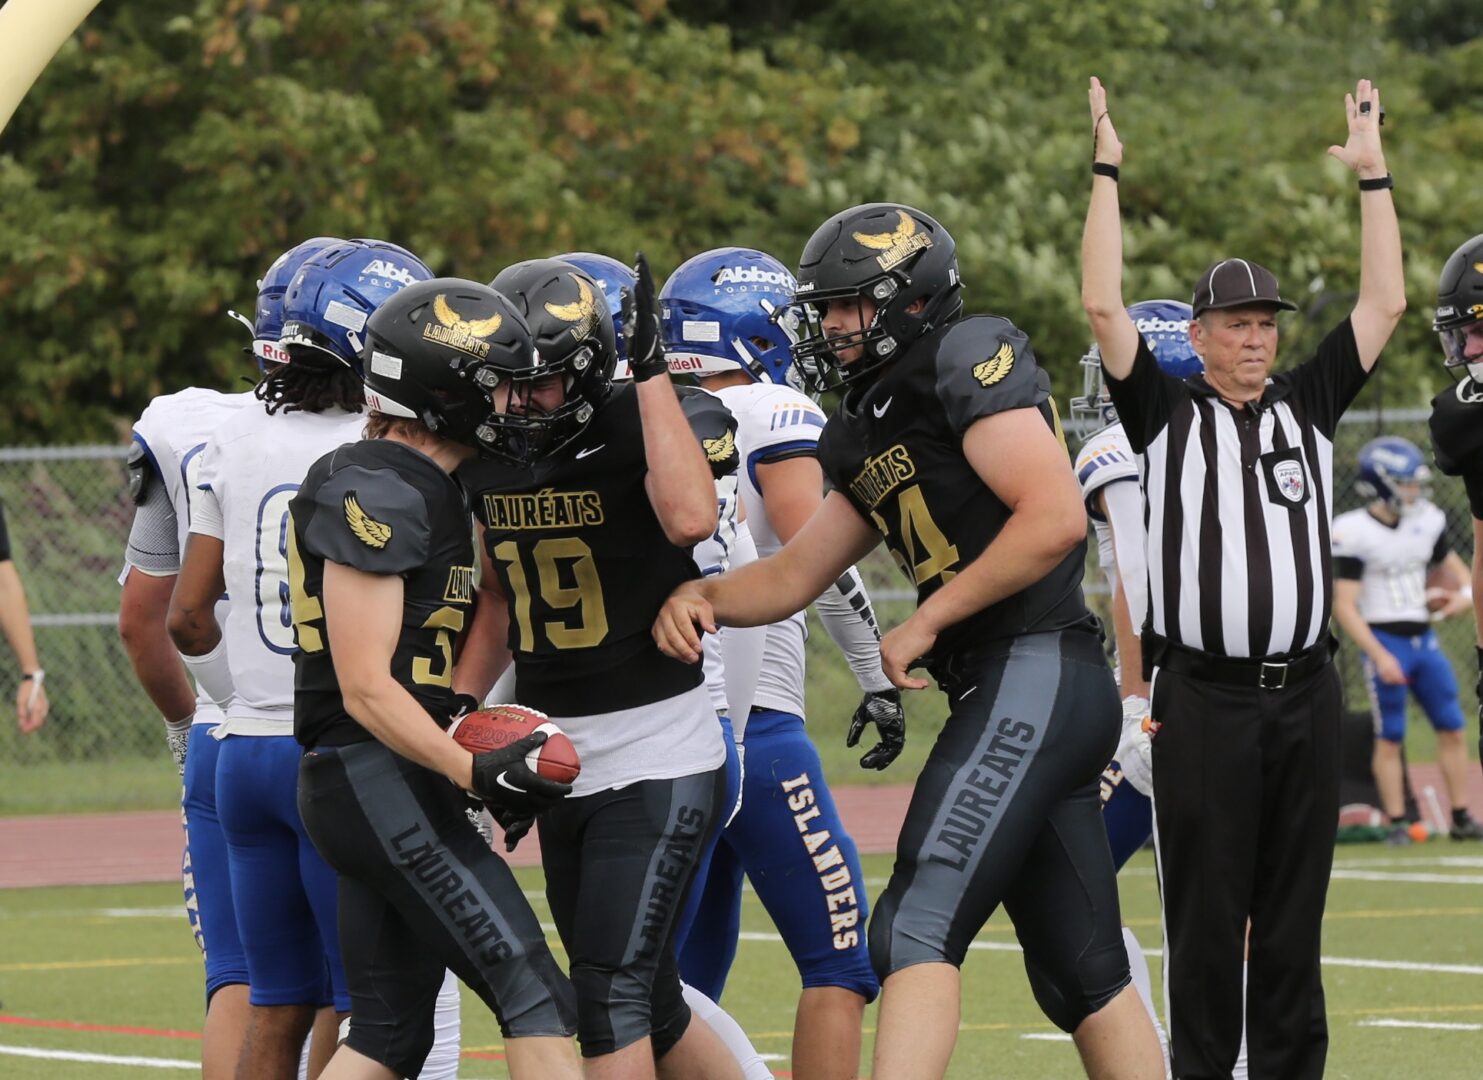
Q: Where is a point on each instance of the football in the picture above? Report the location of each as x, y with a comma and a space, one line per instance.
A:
500, 725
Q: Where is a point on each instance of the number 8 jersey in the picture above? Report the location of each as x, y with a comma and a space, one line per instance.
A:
894, 448
250, 471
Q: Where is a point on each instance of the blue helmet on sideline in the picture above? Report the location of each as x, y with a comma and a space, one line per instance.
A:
730, 309
266, 325
1164, 324
1388, 464
617, 283
326, 306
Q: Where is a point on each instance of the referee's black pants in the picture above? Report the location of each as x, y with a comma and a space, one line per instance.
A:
1246, 801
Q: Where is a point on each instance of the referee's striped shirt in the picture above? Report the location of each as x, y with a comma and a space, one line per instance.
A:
1237, 501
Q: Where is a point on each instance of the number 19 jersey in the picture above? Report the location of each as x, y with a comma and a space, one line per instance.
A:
895, 450
250, 471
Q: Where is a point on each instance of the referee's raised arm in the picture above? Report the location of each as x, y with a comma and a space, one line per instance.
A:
1102, 246
1382, 285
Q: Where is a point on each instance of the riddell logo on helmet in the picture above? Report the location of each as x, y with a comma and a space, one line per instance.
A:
1163, 326
685, 363
272, 353
380, 268
751, 275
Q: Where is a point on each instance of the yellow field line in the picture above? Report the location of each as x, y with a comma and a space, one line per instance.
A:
81, 965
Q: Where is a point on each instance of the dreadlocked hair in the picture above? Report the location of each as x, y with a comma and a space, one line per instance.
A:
310, 387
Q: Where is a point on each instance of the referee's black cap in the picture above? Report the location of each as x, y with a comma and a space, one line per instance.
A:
1237, 283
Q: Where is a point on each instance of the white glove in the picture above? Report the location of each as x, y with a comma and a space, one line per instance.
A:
178, 736
1135, 750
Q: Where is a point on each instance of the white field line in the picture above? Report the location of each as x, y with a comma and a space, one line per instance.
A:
1046, 1036
1363, 875
99, 1059
1386, 1022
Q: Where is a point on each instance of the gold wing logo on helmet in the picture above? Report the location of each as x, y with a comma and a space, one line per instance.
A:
582, 311
363, 526
719, 450
995, 367
898, 245
453, 330
1478, 266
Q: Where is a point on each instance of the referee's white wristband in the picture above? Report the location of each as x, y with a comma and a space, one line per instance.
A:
38, 677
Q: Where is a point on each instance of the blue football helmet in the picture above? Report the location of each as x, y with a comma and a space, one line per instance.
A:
617, 283
266, 326
1393, 470
327, 304
1164, 324
731, 309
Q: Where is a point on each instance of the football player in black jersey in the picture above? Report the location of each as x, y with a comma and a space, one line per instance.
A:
1457, 412
381, 577
947, 444
587, 525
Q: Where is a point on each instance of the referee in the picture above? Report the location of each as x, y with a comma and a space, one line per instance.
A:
1238, 493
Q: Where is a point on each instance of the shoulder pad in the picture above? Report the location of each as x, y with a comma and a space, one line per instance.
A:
369, 518
715, 427
141, 470
1456, 425
985, 365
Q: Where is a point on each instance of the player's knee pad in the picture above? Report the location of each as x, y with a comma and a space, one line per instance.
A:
1070, 988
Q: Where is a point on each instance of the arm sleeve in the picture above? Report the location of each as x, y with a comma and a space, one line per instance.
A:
1441, 549
1130, 542
1145, 399
845, 611
154, 544
714, 427
742, 648
1349, 568
369, 519
1330, 381
1349, 556
986, 366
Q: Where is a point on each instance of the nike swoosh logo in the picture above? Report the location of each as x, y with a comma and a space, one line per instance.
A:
590, 451
880, 410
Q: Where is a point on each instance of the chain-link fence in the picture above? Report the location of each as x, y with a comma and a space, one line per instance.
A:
69, 519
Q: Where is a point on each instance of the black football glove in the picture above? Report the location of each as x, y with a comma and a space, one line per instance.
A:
462, 705
642, 333
883, 709
515, 824
503, 779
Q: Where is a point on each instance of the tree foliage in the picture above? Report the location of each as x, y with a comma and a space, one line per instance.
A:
174, 147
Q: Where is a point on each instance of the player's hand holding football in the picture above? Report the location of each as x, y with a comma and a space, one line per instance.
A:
502, 778
883, 709
903, 647
1362, 151
645, 340
1106, 146
681, 621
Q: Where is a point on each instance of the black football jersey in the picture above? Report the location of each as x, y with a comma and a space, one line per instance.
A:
895, 450
384, 508
584, 563
1457, 437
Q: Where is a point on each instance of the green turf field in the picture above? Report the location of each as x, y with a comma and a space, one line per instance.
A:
121, 957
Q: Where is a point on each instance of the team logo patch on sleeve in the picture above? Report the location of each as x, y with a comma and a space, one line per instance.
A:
995, 367
367, 529
898, 245
717, 450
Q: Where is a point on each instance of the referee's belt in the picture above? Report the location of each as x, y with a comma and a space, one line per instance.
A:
1264, 673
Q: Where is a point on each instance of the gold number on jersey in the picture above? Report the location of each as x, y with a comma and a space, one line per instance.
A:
306, 609
585, 594
447, 621
925, 552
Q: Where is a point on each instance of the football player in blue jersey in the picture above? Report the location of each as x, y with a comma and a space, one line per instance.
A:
725, 323
1383, 553
164, 464
253, 462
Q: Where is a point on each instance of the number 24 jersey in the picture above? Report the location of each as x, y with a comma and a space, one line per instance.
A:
894, 448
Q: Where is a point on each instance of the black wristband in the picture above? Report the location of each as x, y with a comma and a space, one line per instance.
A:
1379, 183
1101, 168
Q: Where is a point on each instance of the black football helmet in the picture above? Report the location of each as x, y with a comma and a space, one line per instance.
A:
436, 350
573, 332
1460, 304
889, 254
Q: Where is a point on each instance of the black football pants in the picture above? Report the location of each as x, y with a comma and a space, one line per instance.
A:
1246, 802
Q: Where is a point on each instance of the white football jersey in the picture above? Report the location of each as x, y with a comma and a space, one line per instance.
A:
713, 556
253, 466
771, 422
1395, 558
173, 430
1105, 457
